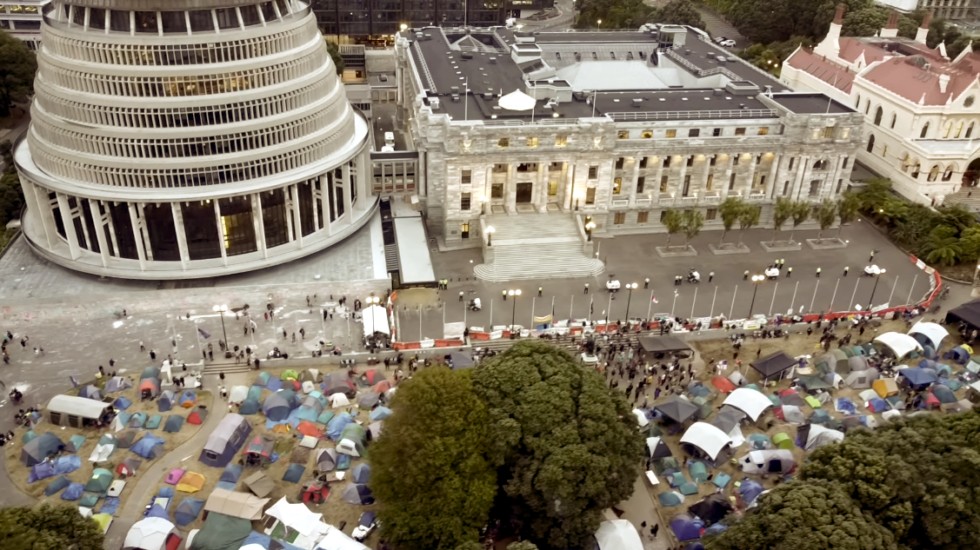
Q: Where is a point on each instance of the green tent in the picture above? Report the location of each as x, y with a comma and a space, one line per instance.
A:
221, 532
289, 374
698, 471
99, 482
782, 441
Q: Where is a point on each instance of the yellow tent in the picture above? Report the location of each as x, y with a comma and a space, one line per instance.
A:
885, 387
192, 482
104, 521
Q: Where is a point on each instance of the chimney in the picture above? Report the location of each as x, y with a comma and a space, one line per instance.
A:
923, 31
830, 45
943, 82
891, 27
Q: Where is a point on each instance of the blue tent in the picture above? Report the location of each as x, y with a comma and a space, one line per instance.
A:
263, 379
150, 447
294, 473
157, 511
73, 492
337, 425
187, 399
166, 401
918, 378
686, 528
137, 420
276, 407
749, 490
265, 541
56, 485
356, 493
249, 406
274, 384
380, 413
229, 477
174, 423
67, 464
121, 403
361, 473
187, 511
153, 422
41, 470
254, 392
75, 443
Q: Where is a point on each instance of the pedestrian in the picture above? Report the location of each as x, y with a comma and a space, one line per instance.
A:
153, 355
503, 294
871, 257
655, 530
646, 282
586, 288
711, 276
460, 298
745, 276
789, 272
142, 347
302, 333
221, 376
818, 272
540, 290
846, 269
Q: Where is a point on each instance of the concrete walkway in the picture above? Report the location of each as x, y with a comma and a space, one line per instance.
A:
640, 508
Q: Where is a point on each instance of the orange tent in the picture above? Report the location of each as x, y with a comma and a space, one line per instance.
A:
723, 384
308, 428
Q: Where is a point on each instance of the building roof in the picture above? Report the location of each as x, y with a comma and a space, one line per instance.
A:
626, 72
852, 48
820, 67
804, 103
917, 78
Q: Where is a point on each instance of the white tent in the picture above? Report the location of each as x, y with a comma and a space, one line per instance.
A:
517, 101
237, 394
375, 319
899, 344
820, 436
338, 400
308, 525
336, 539
641, 418
149, 534
706, 437
752, 402
618, 534
933, 331
776, 461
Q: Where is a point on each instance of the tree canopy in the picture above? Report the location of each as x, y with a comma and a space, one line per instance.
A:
910, 484
431, 475
17, 68
568, 445
48, 527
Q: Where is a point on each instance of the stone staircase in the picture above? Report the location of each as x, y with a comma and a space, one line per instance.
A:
536, 246
966, 196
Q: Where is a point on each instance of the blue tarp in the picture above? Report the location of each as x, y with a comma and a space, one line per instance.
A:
150, 446
122, 403
67, 464
109, 506
73, 492
187, 511
157, 511
56, 485
265, 541
337, 425
293, 473
918, 378
39, 471
878, 405
845, 406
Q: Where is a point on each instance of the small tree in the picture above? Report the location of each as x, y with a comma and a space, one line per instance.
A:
782, 211
17, 68
748, 219
674, 222
847, 209
48, 527
730, 210
825, 213
801, 212
693, 222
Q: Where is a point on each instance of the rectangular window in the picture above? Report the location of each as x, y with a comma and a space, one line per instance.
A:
845, 163
663, 215
716, 132
690, 161
620, 162
792, 160
617, 186
694, 132
785, 187
667, 162
623, 134
713, 160
671, 134
815, 188
465, 177
590, 195
552, 188
643, 216
464, 230
503, 142
663, 184
497, 191
593, 172
735, 160
828, 132
619, 218
731, 182
687, 186
710, 214
464, 201
640, 182
499, 168
763, 131
643, 162
840, 183
647, 134
739, 131
561, 140
532, 142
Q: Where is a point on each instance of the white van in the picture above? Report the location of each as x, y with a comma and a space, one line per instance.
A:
390, 139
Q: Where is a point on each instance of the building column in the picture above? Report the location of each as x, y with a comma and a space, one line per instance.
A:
144, 231
96, 211
634, 176
325, 198
348, 199
67, 219
259, 223
294, 194
181, 233
42, 207
772, 177
288, 200
112, 230
314, 193
801, 171
222, 236
134, 222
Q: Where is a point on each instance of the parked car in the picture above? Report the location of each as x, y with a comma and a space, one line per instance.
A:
728, 43
365, 526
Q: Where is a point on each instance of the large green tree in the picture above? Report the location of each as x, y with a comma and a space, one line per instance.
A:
567, 444
614, 14
17, 68
431, 475
678, 12
693, 222
782, 211
48, 527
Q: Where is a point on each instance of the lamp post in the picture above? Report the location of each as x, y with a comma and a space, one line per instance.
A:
599, 24
756, 279
514, 293
220, 310
871, 301
588, 230
490, 231
629, 297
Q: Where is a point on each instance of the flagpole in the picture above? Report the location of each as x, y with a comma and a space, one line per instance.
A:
711, 313
571, 309
466, 96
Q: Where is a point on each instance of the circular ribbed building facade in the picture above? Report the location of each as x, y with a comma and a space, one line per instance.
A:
173, 139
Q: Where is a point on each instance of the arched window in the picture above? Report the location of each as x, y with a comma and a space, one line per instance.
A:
879, 112
959, 129
947, 129
925, 130
916, 168
948, 174
894, 118
969, 130
871, 143
933, 173
857, 101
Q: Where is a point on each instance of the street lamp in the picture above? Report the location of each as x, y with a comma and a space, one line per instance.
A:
630, 287
490, 231
220, 310
588, 229
756, 279
599, 24
871, 302
513, 309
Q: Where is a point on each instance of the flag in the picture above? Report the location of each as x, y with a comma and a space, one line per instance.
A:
654, 299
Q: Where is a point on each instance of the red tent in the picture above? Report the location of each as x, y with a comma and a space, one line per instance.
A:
381, 387
197, 417
306, 427
723, 384
373, 376
317, 494
149, 387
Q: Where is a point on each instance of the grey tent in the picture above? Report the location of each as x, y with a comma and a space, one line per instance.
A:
368, 400
677, 409
166, 401
728, 418
774, 364
360, 473
656, 448
249, 406
861, 379
276, 407
326, 460
461, 360
39, 448
174, 423
260, 484
187, 511
294, 472
225, 441
90, 392
126, 438
857, 362
338, 382
117, 383
358, 494
58, 484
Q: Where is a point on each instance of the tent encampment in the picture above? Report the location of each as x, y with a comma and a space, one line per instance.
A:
898, 344
751, 402
917, 379
813, 436
225, 441
352, 440
773, 365
40, 448
149, 533
166, 400
770, 461
149, 447
78, 412
677, 409
707, 438
618, 534
260, 484
356, 493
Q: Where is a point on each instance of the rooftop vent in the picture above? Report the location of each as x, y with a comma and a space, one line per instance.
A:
466, 55
493, 60
455, 98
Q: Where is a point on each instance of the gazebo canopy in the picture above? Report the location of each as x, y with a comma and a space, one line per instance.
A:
677, 409
751, 402
933, 331
899, 344
517, 101
706, 437
968, 313
662, 344
773, 365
